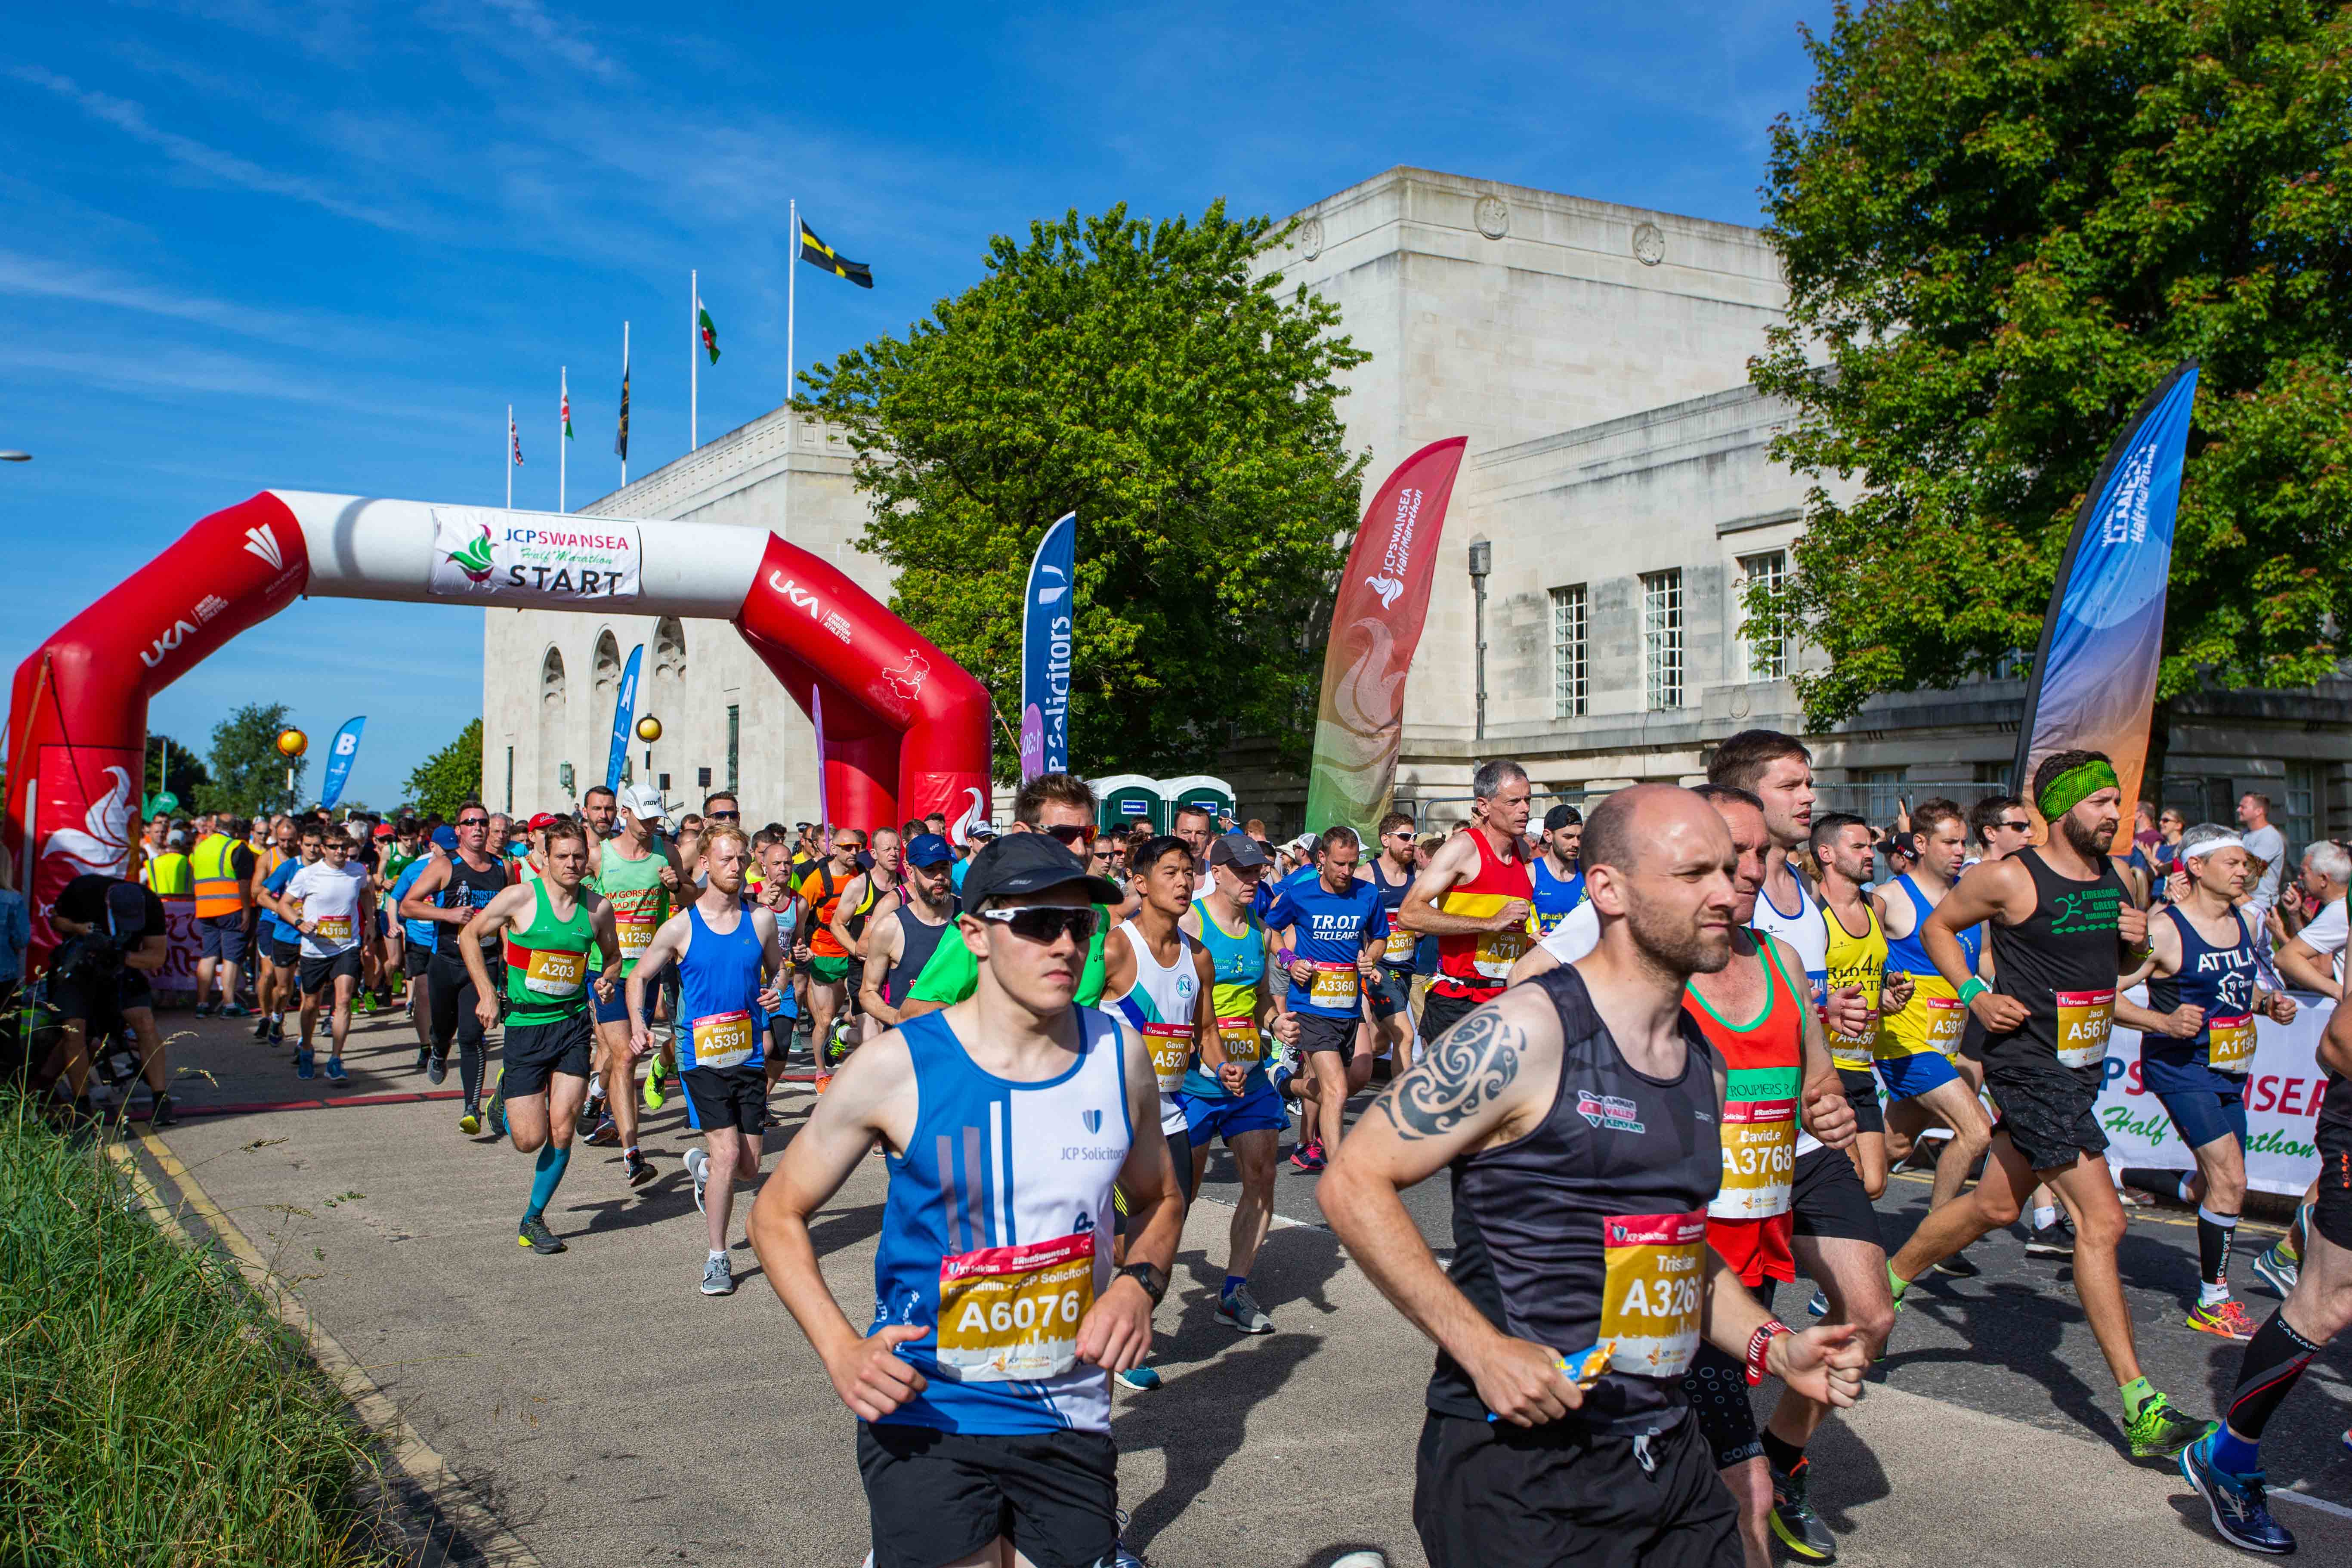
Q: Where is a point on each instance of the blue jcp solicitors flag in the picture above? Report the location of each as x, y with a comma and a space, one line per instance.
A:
1046, 633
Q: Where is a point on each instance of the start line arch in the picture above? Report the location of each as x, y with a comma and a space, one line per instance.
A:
907, 729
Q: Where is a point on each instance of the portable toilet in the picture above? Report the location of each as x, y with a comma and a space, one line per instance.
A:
1199, 789
1126, 799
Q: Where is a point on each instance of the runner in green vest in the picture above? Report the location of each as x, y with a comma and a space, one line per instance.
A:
549, 923
638, 874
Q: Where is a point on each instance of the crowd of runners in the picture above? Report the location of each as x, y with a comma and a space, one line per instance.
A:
1668, 1053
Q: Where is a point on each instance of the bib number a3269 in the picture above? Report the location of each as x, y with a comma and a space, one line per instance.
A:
1653, 1290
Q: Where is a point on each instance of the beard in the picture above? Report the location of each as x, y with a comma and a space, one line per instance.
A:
1678, 944
2086, 839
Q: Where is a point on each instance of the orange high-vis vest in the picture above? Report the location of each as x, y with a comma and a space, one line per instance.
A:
219, 890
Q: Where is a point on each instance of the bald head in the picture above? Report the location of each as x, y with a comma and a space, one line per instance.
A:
1626, 826
1659, 863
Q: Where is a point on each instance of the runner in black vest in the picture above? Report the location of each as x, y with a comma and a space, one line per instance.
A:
1579, 1117
451, 892
906, 927
2063, 929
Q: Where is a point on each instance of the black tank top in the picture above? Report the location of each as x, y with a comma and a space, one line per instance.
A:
1593, 1225
2063, 963
917, 943
470, 889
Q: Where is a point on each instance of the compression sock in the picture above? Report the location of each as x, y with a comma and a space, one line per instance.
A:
2274, 1363
2213, 1234
2136, 1395
551, 1162
1780, 1454
2045, 1216
469, 1068
1233, 1283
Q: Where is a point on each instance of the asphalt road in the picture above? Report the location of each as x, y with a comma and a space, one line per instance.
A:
609, 1414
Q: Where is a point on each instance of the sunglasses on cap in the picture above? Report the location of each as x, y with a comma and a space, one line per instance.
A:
1045, 923
1069, 833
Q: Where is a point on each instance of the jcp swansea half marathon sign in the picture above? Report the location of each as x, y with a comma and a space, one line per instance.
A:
533, 558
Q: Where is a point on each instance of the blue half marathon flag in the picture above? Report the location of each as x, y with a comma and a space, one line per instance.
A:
2094, 683
1047, 631
625, 715
339, 757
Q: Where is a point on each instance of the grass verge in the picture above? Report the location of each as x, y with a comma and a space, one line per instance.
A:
151, 1412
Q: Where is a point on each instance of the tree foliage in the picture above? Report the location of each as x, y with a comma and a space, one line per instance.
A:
248, 772
2003, 221
450, 776
1138, 374
184, 775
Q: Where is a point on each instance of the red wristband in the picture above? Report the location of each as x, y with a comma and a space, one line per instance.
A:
1758, 1344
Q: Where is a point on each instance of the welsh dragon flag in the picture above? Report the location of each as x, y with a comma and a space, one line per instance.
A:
567, 414
709, 333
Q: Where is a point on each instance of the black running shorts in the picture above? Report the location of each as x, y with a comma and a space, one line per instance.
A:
2331, 1211
1716, 1387
733, 1097
940, 1497
1488, 1492
2050, 1112
1828, 1202
1862, 1093
532, 1053
1316, 1033
320, 975
1440, 1012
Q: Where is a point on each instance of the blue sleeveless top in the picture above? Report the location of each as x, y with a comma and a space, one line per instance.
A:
1241, 970
1555, 895
2220, 979
996, 1234
719, 996
1905, 954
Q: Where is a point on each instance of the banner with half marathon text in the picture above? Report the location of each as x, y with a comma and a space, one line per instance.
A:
533, 558
2283, 1098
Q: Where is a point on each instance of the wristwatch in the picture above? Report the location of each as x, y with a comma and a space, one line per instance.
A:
1154, 1283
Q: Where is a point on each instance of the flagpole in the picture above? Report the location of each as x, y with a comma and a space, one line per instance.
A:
693, 360
563, 379
509, 465
792, 308
625, 383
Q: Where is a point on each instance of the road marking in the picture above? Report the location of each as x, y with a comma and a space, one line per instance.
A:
2320, 1503
451, 1497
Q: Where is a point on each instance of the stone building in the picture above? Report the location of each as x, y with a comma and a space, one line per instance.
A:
1596, 355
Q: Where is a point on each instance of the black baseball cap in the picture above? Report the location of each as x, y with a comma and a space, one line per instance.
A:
1236, 849
1029, 862
1560, 816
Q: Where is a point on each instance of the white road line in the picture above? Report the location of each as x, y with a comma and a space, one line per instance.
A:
2320, 1503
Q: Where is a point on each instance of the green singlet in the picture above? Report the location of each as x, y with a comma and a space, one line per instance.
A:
640, 903
953, 975
547, 962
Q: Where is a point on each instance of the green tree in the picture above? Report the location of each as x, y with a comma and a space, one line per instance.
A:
450, 776
1138, 374
2001, 223
184, 775
248, 772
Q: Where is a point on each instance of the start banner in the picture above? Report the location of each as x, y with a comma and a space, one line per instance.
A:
2283, 1097
533, 558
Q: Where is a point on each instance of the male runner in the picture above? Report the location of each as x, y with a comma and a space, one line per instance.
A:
1580, 1117
1226, 1093
1338, 929
335, 904
854, 914
2063, 927
729, 956
2197, 1047
639, 876
1557, 884
1843, 850
828, 990
1834, 1229
2225, 1463
275, 986
907, 928
548, 924
1196, 826
600, 808
451, 892
1475, 897
1390, 986
984, 1408
418, 939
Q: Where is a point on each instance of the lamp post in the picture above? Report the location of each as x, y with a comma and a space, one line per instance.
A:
291, 743
1481, 561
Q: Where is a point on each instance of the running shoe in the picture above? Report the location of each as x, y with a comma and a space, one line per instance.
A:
2241, 1510
470, 1122
698, 1165
717, 1279
277, 1031
655, 1098
2160, 1431
302, 1067
335, 1069
1308, 1156
1239, 1309
1801, 1529
204, 1009
234, 1010
1141, 1379
2052, 1240
436, 1071
159, 1114
366, 1005
2225, 1318
1958, 1267
261, 1029
592, 1112
497, 1108
1820, 1305
637, 1168
538, 1237
2277, 1270
607, 1134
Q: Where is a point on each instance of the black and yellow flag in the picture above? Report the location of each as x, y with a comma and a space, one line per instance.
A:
818, 254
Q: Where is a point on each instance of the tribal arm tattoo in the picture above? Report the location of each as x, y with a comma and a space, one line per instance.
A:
1463, 1074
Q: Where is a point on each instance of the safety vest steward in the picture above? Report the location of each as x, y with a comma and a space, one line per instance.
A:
219, 890
168, 875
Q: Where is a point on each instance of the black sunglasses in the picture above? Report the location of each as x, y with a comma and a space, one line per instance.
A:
1045, 923
473, 821
2015, 827
722, 816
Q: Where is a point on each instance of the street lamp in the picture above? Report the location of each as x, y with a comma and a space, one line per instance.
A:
1481, 561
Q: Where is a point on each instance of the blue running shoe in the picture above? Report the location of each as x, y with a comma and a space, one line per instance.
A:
2240, 1513
302, 1067
2276, 1269
1141, 1379
1820, 1305
335, 1069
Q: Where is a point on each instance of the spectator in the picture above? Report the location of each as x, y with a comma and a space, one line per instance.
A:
2313, 957
15, 936
116, 936
2144, 829
2267, 846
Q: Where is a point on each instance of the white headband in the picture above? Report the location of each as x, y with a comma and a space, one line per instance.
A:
2211, 845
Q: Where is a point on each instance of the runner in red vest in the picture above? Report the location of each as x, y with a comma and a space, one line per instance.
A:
1475, 897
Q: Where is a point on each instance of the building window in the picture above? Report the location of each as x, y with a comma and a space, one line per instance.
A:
510, 780
2299, 819
734, 742
1883, 790
2014, 664
1568, 649
1662, 638
1767, 660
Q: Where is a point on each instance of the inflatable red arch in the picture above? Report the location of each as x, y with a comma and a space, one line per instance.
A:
907, 729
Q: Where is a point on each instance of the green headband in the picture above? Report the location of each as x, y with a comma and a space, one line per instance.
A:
2075, 785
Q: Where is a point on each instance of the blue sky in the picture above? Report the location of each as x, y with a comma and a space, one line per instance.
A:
322, 246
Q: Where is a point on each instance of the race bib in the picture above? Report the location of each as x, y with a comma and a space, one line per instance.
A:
1398, 949
1760, 1158
636, 936
1011, 1314
722, 1040
2229, 1043
1947, 1020
1851, 1053
2084, 1019
553, 973
335, 928
1239, 1037
1172, 1049
1652, 1290
1334, 985
1497, 951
